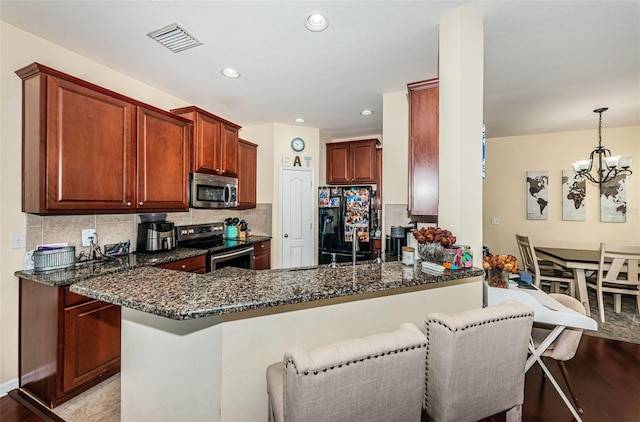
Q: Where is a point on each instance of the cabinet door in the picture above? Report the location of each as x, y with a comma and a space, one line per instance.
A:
90, 149
163, 161
247, 175
423, 148
91, 342
338, 167
379, 175
208, 153
363, 162
229, 148
262, 255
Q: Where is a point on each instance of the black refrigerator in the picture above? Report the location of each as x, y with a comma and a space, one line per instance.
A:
343, 211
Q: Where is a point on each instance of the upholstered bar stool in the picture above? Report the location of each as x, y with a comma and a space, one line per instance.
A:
476, 362
376, 378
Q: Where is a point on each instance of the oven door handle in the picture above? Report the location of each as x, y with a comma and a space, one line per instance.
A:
218, 257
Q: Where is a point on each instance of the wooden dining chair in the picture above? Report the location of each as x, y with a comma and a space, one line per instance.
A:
546, 273
620, 279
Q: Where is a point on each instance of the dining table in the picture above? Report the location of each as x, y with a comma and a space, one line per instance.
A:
577, 260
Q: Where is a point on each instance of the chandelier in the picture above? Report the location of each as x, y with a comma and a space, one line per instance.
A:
606, 166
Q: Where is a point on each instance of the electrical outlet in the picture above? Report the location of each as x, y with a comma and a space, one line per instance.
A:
18, 241
87, 234
495, 220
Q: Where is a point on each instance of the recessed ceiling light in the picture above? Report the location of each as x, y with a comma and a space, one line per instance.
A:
316, 22
299, 120
230, 73
366, 112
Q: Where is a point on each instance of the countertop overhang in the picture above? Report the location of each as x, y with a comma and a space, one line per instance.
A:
230, 291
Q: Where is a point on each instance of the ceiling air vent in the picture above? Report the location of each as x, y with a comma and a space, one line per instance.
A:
175, 38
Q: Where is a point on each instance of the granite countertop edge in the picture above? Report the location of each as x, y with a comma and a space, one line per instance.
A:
183, 296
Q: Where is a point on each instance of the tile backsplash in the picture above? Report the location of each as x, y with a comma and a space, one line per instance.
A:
114, 228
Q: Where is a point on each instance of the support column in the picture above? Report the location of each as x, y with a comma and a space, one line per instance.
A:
461, 51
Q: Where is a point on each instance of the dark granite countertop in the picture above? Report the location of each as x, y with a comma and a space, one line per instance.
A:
90, 269
180, 295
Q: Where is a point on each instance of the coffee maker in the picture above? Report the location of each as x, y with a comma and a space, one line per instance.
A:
397, 239
156, 236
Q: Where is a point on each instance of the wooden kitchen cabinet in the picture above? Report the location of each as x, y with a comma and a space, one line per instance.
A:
351, 163
88, 149
196, 264
215, 142
262, 255
68, 342
248, 173
163, 161
423, 149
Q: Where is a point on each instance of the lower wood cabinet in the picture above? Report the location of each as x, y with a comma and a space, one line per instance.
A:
68, 342
262, 255
196, 264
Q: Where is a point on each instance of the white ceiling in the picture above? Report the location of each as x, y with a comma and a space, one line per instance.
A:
548, 64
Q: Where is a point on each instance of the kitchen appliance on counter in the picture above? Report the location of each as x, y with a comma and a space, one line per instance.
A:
344, 214
157, 236
397, 239
223, 252
210, 191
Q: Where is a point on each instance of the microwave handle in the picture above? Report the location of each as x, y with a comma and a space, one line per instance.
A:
227, 193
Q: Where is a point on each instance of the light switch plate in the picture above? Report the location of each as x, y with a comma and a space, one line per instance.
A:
18, 241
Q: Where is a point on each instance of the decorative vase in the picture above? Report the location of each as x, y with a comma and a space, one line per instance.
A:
432, 252
498, 278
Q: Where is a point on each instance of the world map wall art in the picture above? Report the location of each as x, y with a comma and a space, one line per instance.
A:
613, 200
574, 192
537, 195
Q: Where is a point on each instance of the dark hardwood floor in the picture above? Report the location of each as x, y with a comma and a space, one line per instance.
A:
605, 374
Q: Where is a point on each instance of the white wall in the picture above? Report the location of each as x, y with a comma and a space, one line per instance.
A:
276, 140
508, 160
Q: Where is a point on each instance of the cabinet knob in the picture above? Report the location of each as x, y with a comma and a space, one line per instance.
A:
128, 204
140, 203
183, 266
286, 235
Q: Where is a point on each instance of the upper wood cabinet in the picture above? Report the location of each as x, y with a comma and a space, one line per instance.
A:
87, 149
215, 142
350, 163
423, 148
248, 173
163, 161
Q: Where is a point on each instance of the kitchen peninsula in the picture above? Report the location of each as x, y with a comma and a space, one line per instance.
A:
196, 346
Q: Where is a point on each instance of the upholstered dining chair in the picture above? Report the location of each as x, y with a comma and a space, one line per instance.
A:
565, 345
546, 273
376, 378
621, 277
476, 362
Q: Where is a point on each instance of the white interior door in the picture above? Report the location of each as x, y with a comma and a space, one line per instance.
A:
297, 208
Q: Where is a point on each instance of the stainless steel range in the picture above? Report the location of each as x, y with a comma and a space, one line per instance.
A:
223, 252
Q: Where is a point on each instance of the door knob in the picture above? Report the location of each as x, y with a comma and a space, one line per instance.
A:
286, 235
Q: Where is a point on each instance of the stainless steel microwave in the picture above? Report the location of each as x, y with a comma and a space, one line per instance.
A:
210, 191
